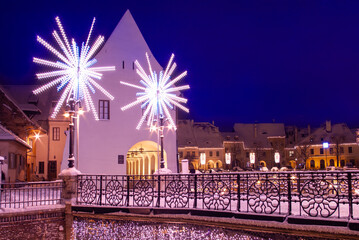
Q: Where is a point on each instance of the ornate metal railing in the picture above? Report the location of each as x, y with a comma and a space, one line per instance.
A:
324, 194
19, 195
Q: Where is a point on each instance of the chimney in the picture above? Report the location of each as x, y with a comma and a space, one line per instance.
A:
328, 126
309, 130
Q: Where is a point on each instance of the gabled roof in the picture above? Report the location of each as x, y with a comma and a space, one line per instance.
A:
7, 135
257, 134
198, 134
339, 132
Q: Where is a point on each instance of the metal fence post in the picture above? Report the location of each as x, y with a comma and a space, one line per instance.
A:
195, 191
238, 193
159, 191
350, 195
128, 191
289, 195
100, 197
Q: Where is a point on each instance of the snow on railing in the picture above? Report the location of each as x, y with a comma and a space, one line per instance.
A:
323, 194
20, 195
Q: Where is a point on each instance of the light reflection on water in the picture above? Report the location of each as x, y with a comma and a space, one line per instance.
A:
88, 228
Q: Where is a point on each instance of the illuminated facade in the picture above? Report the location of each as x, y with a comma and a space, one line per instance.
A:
329, 146
201, 144
112, 145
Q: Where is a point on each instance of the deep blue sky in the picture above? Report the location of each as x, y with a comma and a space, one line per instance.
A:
293, 61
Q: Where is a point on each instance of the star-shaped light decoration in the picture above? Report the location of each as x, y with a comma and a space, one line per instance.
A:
73, 71
158, 94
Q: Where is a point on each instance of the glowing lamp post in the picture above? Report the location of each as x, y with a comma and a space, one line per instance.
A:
252, 158
157, 97
203, 158
277, 158
325, 147
228, 159
74, 73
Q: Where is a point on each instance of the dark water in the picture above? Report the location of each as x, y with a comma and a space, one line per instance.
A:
91, 228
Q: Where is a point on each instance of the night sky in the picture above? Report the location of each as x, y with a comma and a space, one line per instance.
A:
295, 62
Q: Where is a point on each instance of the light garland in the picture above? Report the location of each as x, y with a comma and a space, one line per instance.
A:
158, 94
74, 71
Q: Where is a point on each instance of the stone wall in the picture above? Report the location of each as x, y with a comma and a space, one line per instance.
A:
36, 224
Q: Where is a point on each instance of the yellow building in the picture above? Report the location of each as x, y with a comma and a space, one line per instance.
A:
201, 144
329, 146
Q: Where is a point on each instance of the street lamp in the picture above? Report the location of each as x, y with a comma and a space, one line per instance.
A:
203, 159
252, 158
71, 112
326, 146
277, 158
228, 159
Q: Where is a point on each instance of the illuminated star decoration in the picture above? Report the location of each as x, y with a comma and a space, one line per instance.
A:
73, 71
158, 94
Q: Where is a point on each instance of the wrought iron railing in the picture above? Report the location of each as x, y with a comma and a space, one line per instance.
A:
333, 194
19, 195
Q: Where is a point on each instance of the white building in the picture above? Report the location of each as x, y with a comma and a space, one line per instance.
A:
112, 145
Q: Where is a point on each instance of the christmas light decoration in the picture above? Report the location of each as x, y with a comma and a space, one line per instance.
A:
73, 72
158, 94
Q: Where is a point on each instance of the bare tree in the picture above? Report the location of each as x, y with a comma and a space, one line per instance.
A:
337, 139
303, 152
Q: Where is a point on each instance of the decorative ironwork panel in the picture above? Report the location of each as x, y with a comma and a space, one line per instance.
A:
263, 197
177, 194
143, 193
216, 195
88, 191
114, 193
319, 198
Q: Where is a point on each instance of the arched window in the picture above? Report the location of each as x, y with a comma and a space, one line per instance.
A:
331, 162
312, 164
322, 164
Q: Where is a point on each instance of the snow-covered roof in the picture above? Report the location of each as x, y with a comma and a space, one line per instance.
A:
337, 132
7, 135
198, 134
257, 134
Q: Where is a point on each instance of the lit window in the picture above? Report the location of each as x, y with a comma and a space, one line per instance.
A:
56, 134
104, 109
291, 153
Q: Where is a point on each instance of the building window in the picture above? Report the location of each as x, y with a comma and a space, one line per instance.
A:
331, 162
321, 151
181, 154
210, 153
291, 153
350, 149
56, 134
104, 109
217, 153
342, 163
312, 151
341, 150
331, 150
12, 161
193, 154
41, 167
312, 164
247, 154
187, 154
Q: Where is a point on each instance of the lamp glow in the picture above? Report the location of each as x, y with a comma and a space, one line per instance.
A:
158, 94
203, 158
276, 157
325, 145
228, 158
73, 71
252, 157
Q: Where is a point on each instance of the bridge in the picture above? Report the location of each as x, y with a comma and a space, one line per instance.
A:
295, 197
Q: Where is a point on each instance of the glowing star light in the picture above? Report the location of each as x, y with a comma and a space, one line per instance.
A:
73, 71
158, 94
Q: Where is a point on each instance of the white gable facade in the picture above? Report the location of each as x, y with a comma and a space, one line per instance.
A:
114, 146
